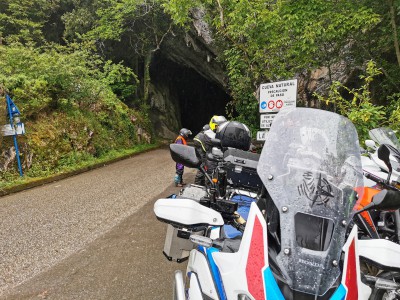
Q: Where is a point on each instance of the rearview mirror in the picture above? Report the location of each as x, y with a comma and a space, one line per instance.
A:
383, 154
185, 155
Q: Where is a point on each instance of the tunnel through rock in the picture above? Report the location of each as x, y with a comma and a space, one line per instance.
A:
186, 96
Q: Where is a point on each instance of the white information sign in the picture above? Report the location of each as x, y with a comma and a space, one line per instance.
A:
266, 120
7, 130
276, 95
262, 135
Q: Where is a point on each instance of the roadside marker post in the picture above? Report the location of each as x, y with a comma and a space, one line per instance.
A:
15, 128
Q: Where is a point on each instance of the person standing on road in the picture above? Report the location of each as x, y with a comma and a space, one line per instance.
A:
203, 145
179, 169
199, 144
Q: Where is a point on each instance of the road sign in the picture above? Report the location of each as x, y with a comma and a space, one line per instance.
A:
261, 135
276, 95
8, 130
266, 120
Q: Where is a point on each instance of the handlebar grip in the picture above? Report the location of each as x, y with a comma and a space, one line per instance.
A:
380, 181
374, 178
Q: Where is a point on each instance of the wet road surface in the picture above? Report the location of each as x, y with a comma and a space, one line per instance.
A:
91, 236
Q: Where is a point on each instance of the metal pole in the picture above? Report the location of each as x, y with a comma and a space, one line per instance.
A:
15, 136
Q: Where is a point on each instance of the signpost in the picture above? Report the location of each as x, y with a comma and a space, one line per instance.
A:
261, 135
14, 128
276, 95
8, 130
266, 120
273, 97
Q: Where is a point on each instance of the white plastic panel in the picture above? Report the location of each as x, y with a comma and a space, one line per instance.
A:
382, 251
186, 212
199, 265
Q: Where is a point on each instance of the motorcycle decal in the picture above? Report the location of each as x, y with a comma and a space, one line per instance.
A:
240, 271
351, 269
317, 192
351, 273
215, 273
272, 288
340, 293
256, 262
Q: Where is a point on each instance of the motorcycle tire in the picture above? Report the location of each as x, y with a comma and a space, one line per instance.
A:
379, 294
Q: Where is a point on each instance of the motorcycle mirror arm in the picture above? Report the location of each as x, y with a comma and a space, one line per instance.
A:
207, 175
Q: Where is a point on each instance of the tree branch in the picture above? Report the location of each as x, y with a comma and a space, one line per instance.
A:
395, 37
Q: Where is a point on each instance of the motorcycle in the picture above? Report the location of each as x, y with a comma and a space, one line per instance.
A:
375, 166
234, 179
379, 174
308, 248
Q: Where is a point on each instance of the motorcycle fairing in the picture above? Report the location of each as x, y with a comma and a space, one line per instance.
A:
246, 271
351, 278
215, 272
198, 264
383, 252
310, 164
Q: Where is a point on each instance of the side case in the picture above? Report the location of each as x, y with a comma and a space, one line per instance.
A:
241, 168
177, 244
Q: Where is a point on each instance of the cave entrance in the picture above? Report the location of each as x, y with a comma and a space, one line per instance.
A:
197, 98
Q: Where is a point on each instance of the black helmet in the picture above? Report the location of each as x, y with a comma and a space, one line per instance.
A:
185, 132
234, 134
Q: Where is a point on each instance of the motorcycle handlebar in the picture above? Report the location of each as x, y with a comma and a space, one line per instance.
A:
380, 181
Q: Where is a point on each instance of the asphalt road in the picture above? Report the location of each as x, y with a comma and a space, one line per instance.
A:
91, 236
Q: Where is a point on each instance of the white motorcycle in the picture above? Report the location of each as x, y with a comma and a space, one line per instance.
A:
299, 241
374, 166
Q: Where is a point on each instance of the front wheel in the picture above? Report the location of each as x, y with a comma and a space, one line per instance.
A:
383, 294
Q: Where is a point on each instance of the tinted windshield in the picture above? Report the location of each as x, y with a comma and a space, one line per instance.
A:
384, 135
310, 164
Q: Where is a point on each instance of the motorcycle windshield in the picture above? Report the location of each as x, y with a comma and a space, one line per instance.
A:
310, 165
384, 135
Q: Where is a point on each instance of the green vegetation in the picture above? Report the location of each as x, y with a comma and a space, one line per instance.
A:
71, 113
278, 40
79, 69
360, 110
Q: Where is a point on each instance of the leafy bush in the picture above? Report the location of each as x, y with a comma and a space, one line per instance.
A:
360, 108
68, 98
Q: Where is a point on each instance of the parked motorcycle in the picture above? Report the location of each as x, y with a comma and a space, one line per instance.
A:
374, 166
309, 248
381, 224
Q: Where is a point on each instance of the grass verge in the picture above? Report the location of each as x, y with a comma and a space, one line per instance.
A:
26, 182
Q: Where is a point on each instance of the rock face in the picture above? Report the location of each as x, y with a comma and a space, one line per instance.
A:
164, 109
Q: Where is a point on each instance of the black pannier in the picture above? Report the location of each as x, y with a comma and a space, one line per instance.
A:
241, 168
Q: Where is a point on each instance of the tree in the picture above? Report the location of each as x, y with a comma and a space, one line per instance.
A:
280, 39
23, 20
140, 25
